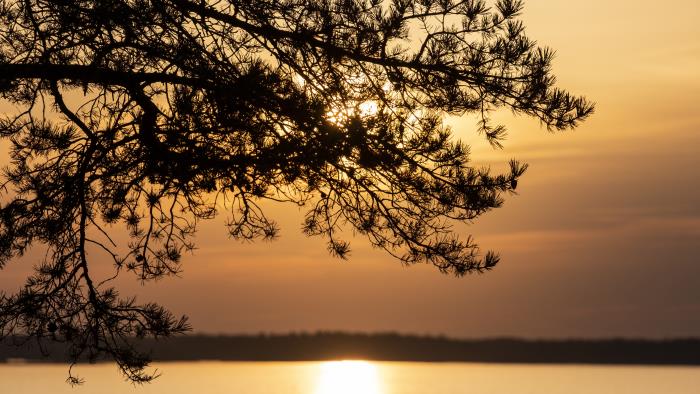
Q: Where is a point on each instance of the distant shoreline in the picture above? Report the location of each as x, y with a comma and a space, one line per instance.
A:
325, 346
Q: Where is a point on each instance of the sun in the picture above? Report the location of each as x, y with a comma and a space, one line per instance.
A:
348, 377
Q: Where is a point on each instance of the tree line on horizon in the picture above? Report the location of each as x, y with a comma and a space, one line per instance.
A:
323, 346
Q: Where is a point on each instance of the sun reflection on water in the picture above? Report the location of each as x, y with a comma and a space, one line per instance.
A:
348, 377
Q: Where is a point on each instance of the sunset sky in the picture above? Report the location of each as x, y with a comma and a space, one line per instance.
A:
603, 239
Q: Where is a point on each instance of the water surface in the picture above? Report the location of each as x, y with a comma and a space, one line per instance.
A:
361, 377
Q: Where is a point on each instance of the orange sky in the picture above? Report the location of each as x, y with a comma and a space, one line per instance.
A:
603, 239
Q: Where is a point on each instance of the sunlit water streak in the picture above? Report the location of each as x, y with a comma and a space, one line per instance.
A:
358, 377
348, 377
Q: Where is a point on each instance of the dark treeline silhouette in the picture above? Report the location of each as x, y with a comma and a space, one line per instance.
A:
396, 347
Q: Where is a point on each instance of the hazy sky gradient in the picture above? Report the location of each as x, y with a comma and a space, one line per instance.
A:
602, 240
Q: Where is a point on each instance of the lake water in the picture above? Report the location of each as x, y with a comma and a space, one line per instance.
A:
357, 377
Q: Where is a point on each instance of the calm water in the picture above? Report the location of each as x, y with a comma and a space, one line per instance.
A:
345, 377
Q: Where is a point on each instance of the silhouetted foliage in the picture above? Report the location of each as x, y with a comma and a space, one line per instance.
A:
153, 114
